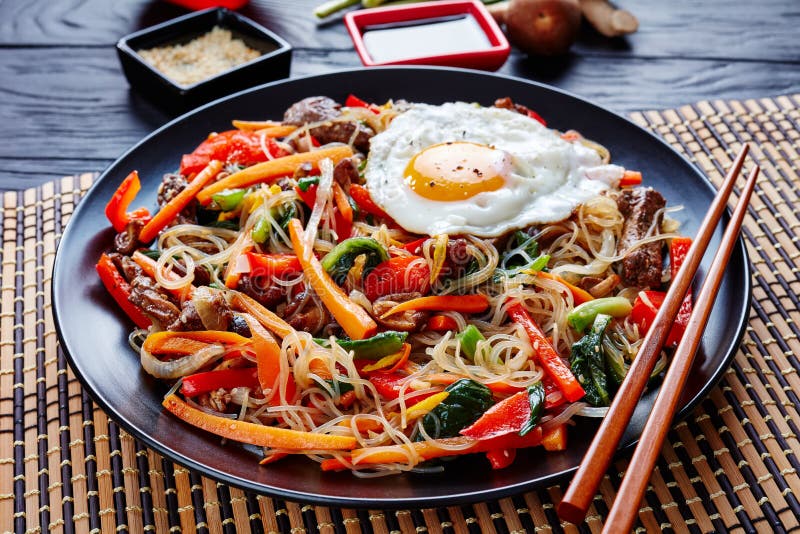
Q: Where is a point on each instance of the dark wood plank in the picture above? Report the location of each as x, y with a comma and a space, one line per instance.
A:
72, 110
708, 29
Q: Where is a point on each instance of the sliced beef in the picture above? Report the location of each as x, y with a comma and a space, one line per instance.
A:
407, 321
323, 109
188, 320
262, 289
171, 185
312, 109
149, 298
127, 241
642, 266
346, 172
129, 268
303, 314
239, 326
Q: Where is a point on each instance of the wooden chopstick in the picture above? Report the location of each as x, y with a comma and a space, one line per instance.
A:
626, 505
582, 489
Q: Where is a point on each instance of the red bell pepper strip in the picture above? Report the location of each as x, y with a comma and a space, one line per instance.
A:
388, 385
402, 274
199, 383
501, 458
507, 416
273, 264
120, 291
678, 249
117, 207
546, 355
415, 247
171, 209
630, 178
364, 201
441, 323
427, 450
353, 101
342, 223
233, 146
309, 196
535, 116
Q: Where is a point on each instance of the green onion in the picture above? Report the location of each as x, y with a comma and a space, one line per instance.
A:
469, 338
582, 316
229, 199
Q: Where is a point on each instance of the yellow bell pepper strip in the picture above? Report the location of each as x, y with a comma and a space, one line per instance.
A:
578, 295
428, 450
351, 317
255, 434
268, 319
268, 360
171, 209
546, 355
630, 178
396, 360
117, 207
461, 303
203, 382
555, 439
426, 405
120, 291
149, 267
273, 169
168, 342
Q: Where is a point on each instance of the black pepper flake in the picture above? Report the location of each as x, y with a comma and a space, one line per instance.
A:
477, 172
431, 184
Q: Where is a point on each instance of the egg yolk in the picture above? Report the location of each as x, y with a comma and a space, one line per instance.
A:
457, 171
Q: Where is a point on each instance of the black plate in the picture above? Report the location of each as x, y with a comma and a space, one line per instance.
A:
94, 332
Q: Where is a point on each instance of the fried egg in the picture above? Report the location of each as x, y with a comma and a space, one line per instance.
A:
460, 168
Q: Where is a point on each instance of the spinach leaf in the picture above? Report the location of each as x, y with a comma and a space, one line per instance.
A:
468, 400
536, 396
587, 361
340, 260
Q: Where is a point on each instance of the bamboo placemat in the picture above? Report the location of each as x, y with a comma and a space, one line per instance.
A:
730, 466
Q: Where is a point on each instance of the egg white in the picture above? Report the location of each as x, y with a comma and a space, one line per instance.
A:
549, 177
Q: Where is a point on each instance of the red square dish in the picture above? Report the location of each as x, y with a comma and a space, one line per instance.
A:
458, 33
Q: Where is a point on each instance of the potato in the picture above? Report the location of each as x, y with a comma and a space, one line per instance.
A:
543, 27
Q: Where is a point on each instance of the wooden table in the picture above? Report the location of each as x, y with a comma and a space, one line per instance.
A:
66, 108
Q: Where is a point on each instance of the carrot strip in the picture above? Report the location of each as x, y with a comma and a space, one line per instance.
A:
350, 316
261, 435
268, 361
272, 169
273, 457
253, 125
342, 203
460, 303
149, 267
396, 360
168, 342
578, 295
268, 319
281, 130
171, 209
497, 387
421, 451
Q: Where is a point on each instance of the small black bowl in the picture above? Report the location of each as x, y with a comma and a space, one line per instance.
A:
272, 64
